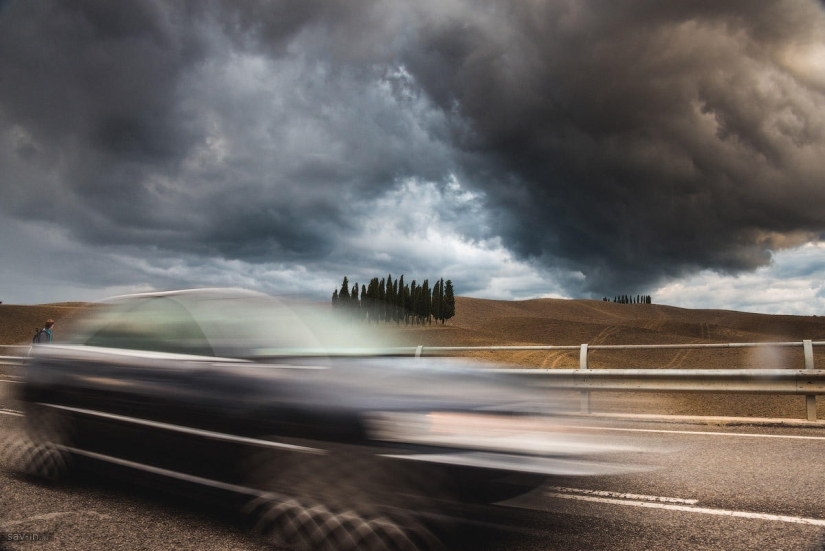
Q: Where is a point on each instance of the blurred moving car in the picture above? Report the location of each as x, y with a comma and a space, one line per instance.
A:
335, 440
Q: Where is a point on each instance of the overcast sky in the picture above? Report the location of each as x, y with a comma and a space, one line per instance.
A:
524, 149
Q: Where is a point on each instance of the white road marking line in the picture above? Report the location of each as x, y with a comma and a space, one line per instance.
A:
602, 493
689, 509
11, 412
709, 433
13, 381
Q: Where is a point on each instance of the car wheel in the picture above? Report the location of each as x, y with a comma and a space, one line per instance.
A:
40, 450
318, 528
345, 499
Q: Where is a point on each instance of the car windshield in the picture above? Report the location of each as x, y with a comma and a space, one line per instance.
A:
227, 324
157, 324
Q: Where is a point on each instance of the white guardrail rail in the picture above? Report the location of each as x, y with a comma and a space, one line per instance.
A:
808, 381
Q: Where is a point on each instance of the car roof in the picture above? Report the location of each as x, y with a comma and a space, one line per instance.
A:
206, 292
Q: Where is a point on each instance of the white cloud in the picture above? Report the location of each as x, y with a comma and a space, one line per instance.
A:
794, 283
414, 229
417, 228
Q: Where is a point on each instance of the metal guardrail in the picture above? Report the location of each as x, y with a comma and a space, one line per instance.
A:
13, 360
686, 346
739, 381
808, 381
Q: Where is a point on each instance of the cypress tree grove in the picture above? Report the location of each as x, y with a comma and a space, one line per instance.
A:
391, 300
630, 299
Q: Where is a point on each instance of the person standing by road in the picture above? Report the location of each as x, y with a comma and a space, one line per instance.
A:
44, 336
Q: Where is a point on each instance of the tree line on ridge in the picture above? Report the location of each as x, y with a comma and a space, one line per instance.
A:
393, 301
630, 299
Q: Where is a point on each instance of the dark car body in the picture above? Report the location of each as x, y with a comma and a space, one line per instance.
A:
241, 391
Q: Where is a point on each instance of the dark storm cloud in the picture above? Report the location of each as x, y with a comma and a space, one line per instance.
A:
630, 141
155, 124
641, 139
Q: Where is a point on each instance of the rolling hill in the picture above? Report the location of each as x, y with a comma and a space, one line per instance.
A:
480, 322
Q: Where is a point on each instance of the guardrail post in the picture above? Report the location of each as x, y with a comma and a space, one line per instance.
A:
583, 365
810, 399
419, 350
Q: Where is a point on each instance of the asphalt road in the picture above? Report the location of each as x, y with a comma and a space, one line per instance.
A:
703, 488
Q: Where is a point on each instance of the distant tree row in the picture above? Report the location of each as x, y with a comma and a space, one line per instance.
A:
395, 302
630, 299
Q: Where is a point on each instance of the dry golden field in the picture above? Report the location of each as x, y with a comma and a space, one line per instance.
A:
572, 322
481, 322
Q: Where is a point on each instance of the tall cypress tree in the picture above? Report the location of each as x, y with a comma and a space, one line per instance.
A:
399, 299
374, 300
425, 301
407, 304
382, 296
442, 307
449, 300
396, 312
343, 294
413, 302
438, 301
435, 307
389, 300
366, 300
354, 305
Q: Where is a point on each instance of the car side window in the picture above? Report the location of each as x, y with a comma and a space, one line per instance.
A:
156, 324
